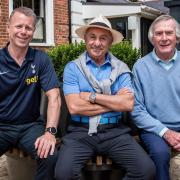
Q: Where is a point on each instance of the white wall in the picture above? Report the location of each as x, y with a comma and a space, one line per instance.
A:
76, 18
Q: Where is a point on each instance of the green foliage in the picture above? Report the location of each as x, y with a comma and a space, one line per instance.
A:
125, 52
62, 54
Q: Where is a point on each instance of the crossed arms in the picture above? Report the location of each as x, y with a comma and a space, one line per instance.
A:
78, 104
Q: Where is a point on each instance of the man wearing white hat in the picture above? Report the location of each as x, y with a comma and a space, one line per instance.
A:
97, 88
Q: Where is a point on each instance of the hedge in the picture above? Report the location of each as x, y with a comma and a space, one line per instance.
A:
62, 54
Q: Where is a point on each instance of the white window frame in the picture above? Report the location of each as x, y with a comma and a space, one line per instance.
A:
49, 17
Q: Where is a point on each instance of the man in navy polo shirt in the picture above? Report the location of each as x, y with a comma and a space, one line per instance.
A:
23, 73
97, 88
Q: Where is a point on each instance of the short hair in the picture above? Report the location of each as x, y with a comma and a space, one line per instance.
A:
163, 18
24, 10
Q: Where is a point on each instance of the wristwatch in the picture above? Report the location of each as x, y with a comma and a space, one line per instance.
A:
51, 130
92, 97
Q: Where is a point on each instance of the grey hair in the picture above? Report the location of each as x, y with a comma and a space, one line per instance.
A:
163, 18
24, 10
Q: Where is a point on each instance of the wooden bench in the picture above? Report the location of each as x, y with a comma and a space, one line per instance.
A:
21, 160
97, 168
21, 166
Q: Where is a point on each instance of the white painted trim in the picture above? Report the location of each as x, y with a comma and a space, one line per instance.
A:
134, 26
91, 11
136, 35
41, 44
10, 6
49, 11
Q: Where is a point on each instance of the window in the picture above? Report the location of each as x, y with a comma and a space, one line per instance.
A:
44, 34
146, 46
120, 24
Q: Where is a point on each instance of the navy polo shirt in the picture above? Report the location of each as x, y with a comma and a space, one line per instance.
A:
20, 86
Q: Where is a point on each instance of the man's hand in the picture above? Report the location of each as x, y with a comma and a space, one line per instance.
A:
173, 138
45, 145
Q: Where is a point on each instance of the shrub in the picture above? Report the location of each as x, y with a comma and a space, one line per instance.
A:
62, 54
125, 52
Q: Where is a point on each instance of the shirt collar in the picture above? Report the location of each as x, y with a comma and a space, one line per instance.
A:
174, 58
29, 55
107, 59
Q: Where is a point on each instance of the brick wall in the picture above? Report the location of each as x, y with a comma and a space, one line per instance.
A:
4, 14
61, 23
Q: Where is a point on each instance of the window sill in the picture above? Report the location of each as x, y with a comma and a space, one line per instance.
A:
42, 44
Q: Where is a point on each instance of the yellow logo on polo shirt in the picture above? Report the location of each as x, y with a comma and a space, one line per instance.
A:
31, 80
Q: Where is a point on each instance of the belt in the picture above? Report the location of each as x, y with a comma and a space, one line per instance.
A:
103, 120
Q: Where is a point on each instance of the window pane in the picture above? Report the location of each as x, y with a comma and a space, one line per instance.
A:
37, 7
39, 34
16, 4
146, 46
27, 3
120, 24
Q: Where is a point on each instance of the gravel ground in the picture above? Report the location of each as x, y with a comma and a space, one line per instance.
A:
3, 168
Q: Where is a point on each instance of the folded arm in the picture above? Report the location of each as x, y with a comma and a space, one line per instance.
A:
79, 106
141, 115
122, 101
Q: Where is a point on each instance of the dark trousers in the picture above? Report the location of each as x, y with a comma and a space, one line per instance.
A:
77, 147
159, 151
24, 136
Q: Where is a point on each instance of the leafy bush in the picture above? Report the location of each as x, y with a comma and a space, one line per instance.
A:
62, 54
125, 52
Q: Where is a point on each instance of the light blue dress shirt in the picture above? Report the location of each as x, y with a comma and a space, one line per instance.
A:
166, 65
75, 82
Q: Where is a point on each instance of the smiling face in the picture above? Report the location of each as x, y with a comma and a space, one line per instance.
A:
21, 29
98, 42
164, 39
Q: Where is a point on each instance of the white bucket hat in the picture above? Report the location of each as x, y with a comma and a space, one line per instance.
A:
103, 23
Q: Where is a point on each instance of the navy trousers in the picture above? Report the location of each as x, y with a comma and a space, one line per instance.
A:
77, 147
159, 151
23, 136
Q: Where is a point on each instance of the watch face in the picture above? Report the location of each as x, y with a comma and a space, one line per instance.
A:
92, 97
52, 130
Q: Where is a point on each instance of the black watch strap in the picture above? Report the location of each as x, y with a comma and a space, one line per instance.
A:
51, 130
